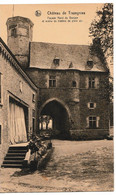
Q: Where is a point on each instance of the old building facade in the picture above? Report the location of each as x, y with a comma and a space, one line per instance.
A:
17, 106
66, 82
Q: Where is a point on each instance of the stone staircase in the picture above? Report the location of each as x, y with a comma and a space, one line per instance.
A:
15, 156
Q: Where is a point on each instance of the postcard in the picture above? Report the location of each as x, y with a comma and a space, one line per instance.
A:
56, 98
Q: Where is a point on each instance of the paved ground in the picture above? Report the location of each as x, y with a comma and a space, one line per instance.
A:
74, 166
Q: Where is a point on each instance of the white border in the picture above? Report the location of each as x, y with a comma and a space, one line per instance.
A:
54, 2
69, 2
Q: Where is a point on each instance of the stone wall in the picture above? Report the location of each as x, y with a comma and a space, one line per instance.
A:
89, 134
63, 92
101, 109
75, 98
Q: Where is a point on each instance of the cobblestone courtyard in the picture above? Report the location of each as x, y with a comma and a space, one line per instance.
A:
74, 166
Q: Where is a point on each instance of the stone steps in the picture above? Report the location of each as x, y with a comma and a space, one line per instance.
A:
12, 165
15, 157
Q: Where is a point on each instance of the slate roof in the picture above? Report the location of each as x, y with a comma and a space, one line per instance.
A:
70, 57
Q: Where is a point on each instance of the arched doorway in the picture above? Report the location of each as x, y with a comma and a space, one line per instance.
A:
60, 115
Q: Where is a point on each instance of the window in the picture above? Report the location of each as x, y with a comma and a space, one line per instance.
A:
90, 63
91, 105
71, 65
56, 61
33, 97
33, 120
0, 133
52, 81
21, 86
0, 88
74, 84
13, 32
91, 82
92, 122
12, 26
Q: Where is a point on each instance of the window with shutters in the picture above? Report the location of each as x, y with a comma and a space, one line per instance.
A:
52, 81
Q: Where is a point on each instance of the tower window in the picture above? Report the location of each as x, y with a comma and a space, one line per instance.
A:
13, 32
91, 82
12, 26
74, 84
52, 81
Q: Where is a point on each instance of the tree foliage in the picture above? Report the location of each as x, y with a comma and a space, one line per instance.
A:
106, 89
102, 29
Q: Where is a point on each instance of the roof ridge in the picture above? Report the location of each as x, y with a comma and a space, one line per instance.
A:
59, 43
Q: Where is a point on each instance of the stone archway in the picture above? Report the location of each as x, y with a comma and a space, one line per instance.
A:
60, 115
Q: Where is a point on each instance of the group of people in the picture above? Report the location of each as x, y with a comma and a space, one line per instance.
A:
38, 148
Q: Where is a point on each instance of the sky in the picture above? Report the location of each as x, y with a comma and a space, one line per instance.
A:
74, 32
54, 32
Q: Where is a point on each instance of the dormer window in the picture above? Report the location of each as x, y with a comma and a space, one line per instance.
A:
90, 63
71, 65
56, 61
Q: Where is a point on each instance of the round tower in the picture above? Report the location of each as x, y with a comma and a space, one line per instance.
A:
19, 34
